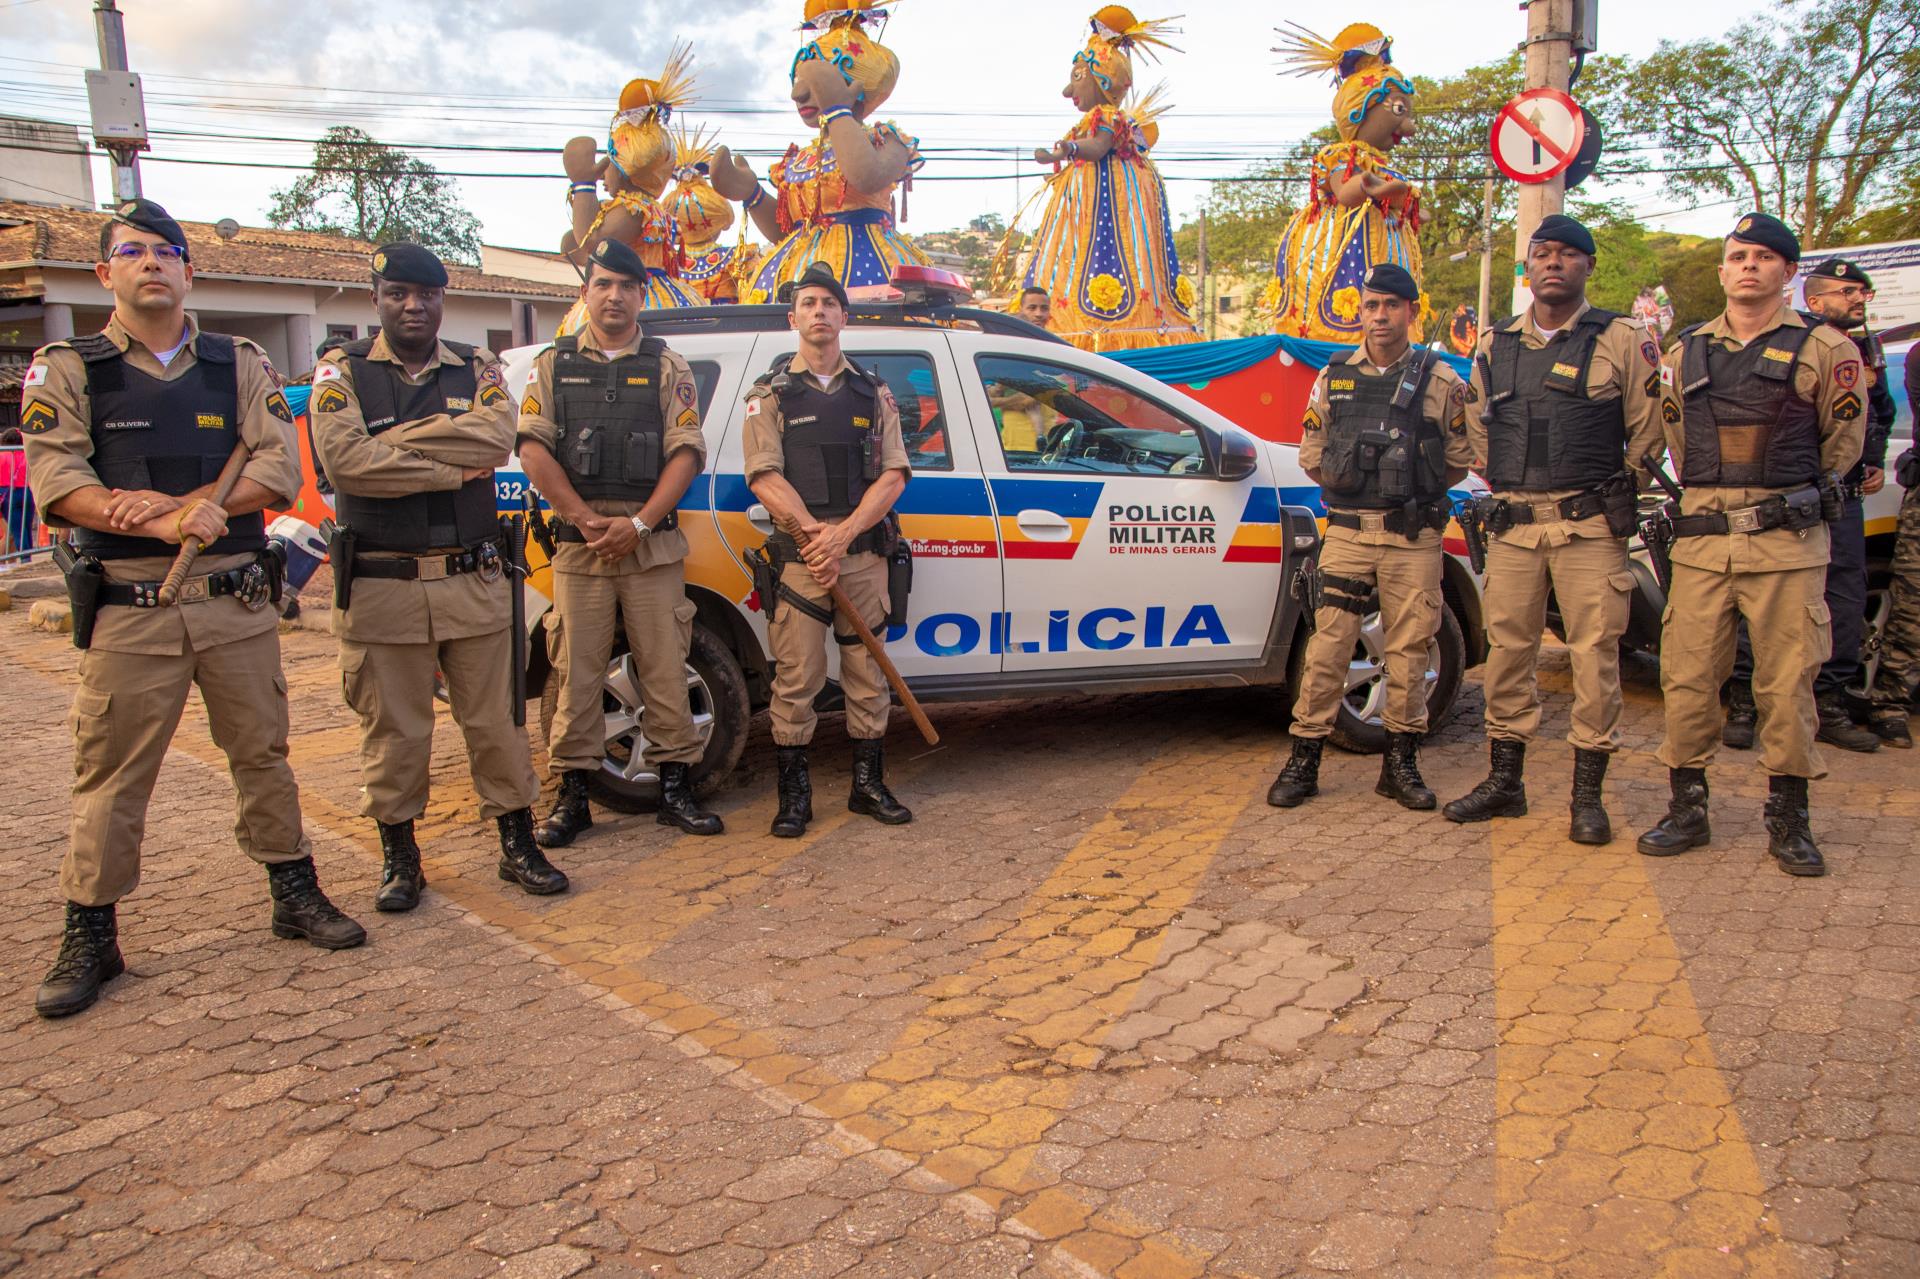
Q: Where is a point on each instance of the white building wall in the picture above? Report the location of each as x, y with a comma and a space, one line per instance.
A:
44, 163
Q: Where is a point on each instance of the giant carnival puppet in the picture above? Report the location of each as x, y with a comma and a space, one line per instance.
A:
1360, 211
1104, 248
713, 269
638, 162
832, 199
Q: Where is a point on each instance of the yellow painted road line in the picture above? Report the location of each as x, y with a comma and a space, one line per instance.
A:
1617, 1145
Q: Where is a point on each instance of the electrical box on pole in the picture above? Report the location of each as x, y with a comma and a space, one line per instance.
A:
1586, 25
119, 109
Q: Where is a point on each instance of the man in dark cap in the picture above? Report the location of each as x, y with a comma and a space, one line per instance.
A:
825, 457
1385, 436
610, 435
1759, 404
126, 431
408, 429
1567, 399
1837, 291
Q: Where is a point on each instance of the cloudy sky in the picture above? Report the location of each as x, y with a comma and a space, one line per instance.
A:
249, 83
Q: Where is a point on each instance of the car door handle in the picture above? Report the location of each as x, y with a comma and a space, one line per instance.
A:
760, 517
1043, 526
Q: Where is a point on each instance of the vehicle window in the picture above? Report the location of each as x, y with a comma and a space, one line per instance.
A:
1054, 417
706, 376
923, 418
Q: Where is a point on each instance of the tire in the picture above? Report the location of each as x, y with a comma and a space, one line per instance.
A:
717, 690
1879, 576
1357, 728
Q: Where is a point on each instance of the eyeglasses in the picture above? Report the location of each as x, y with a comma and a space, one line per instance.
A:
134, 252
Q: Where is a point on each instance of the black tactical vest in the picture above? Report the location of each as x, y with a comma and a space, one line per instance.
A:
830, 440
169, 436
1745, 427
418, 522
611, 429
1380, 450
1543, 432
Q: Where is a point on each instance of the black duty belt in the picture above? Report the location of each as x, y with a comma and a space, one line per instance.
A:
565, 532
1580, 506
1394, 521
195, 590
431, 568
1799, 509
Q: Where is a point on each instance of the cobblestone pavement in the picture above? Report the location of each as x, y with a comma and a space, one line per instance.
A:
1099, 1011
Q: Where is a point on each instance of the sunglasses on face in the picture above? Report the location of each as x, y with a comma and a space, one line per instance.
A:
134, 252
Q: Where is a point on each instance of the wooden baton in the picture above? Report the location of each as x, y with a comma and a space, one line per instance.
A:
191, 546
872, 643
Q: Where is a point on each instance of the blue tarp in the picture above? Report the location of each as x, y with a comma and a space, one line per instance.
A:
1204, 361
297, 397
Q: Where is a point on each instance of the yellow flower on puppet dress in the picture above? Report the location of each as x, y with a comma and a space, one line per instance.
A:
1346, 303
1183, 293
1106, 292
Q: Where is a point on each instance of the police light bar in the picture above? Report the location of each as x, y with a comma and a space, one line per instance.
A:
919, 285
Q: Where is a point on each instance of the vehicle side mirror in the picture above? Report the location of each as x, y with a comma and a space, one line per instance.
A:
1239, 454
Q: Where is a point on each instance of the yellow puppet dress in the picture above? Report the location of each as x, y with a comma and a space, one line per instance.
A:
1327, 250
1104, 251
712, 269
823, 219
658, 245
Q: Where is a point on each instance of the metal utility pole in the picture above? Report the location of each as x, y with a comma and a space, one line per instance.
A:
118, 107
1548, 50
1206, 312
1480, 317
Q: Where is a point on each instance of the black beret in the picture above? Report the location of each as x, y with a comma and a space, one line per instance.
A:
409, 264
1841, 269
821, 276
1562, 229
1388, 278
618, 258
145, 215
1768, 232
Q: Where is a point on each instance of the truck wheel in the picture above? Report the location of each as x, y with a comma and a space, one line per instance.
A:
717, 695
1357, 727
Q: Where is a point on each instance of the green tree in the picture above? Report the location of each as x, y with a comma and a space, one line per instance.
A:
1896, 218
1805, 112
1626, 260
365, 189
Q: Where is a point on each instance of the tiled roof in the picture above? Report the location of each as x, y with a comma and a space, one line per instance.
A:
73, 235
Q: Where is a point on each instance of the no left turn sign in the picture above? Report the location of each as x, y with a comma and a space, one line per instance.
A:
1537, 135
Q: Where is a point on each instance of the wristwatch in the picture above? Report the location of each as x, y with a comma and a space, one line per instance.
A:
640, 527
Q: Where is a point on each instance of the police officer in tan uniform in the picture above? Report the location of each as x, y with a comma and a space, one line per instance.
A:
610, 435
824, 455
1759, 404
126, 431
1567, 400
407, 429
1385, 435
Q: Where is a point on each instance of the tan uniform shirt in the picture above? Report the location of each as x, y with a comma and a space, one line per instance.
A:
1445, 402
1827, 374
1625, 366
56, 417
426, 455
765, 425
679, 410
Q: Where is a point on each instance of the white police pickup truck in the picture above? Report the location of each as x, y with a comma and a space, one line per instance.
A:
1076, 527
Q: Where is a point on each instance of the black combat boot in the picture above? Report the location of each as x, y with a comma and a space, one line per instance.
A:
1890, 726
521, 861
1837, 727
1590, 824
401, 879
1685, 825
1737, 732
1789, 837
870, 794
570, 814
1502, 794
796, 792
89, 958
300, 909
1299, 779
677, 806
1400, 778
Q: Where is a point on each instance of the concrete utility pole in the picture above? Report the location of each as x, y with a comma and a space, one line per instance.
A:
119, 117
1549, 63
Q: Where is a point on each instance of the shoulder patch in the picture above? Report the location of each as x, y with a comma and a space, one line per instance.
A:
278, 406
491, 394
685, 393
1653, 383
36, 376
530, 405
330, 399
753, 405
492, 375
326, 373
1669, 412
1650, 352
38, 419
1846, 374
1847, 407
1312, 420
688, 418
